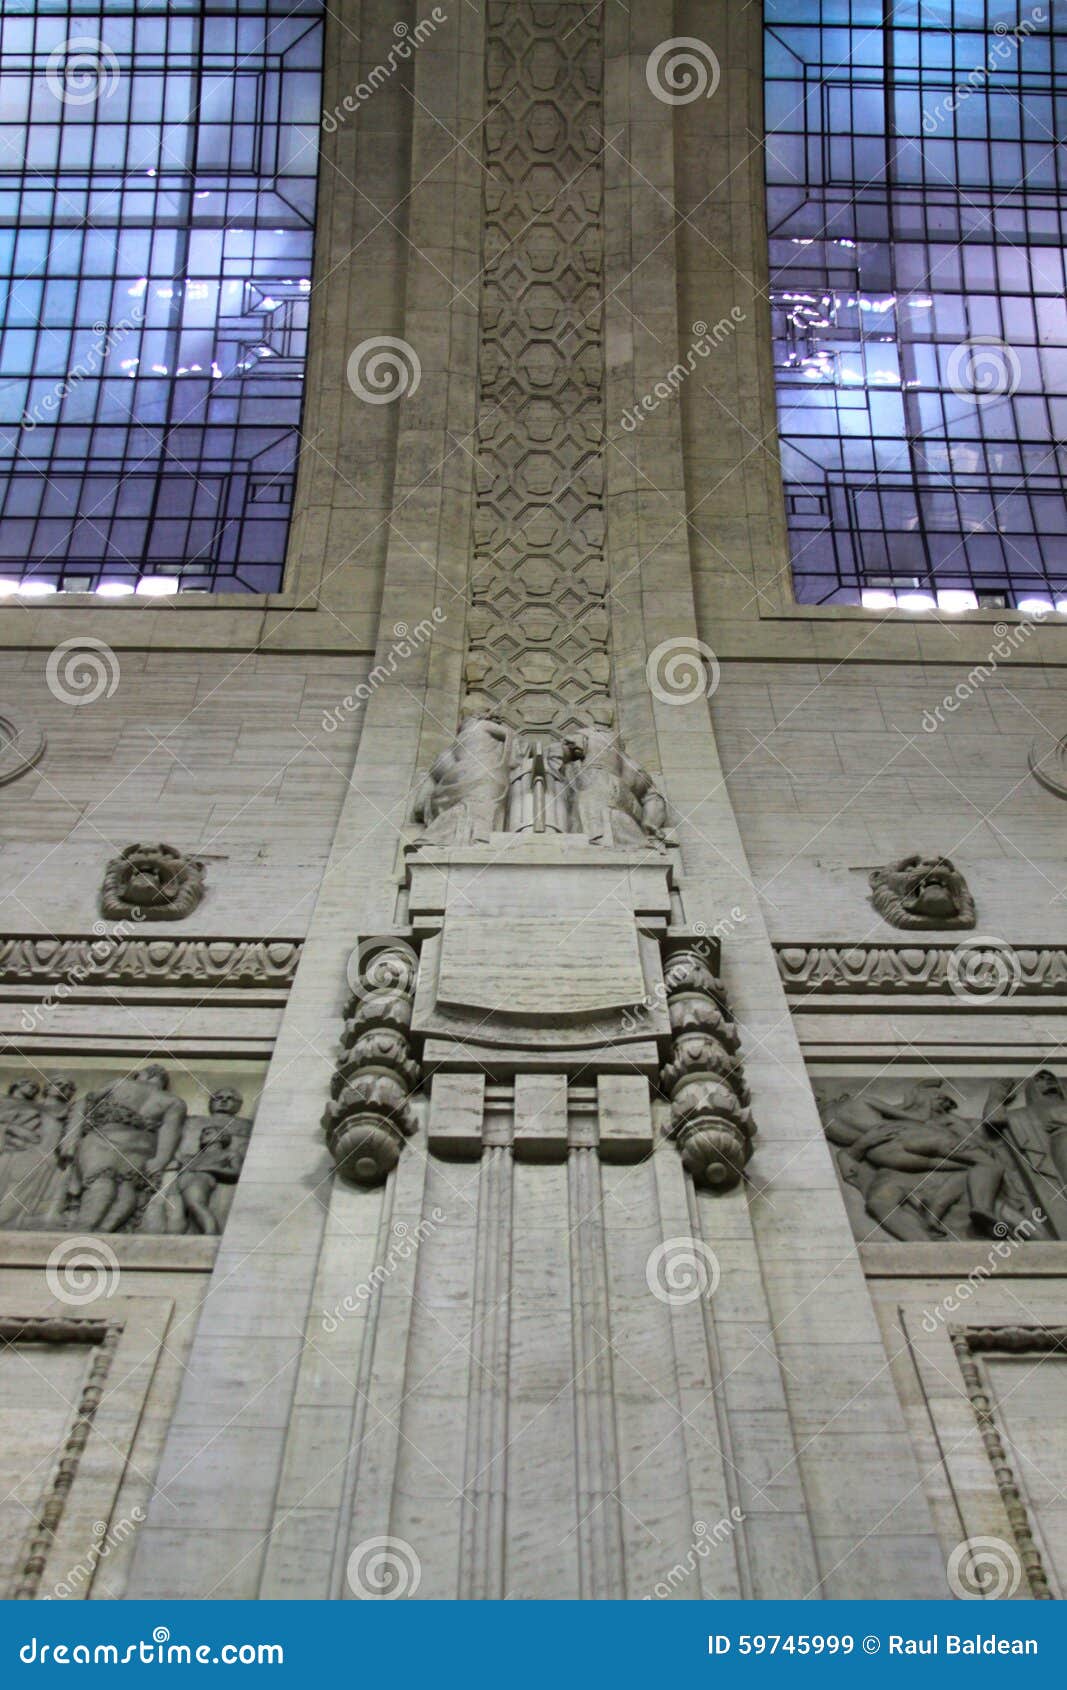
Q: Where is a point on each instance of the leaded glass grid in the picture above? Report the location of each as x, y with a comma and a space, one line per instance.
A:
158, 165
917, 213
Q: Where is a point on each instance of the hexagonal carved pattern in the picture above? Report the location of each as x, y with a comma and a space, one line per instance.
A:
539, 629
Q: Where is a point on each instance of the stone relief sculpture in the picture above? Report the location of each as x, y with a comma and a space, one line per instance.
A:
922, 892
585, 783
611, 799
124, 1157
151, 883
928, 1168
463, 799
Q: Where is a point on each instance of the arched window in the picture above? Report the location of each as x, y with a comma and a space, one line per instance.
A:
158, 164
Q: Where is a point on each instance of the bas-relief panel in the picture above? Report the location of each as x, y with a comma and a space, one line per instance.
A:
932, 1159
94, 1148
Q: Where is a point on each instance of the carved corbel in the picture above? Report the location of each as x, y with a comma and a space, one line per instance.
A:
369, 1114
710, 1118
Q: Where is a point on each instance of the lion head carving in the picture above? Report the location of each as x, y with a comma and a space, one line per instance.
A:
922, 891
151, 883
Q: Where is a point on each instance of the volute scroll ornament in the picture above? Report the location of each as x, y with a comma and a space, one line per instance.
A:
151, 883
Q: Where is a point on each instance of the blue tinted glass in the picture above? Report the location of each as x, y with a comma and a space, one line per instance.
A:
917, 213
158, 164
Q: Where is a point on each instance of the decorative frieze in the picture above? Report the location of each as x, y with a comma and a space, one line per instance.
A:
918, 970
121, 1156
96, 960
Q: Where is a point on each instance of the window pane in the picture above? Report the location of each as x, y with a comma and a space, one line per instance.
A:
917, 225
158, 164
